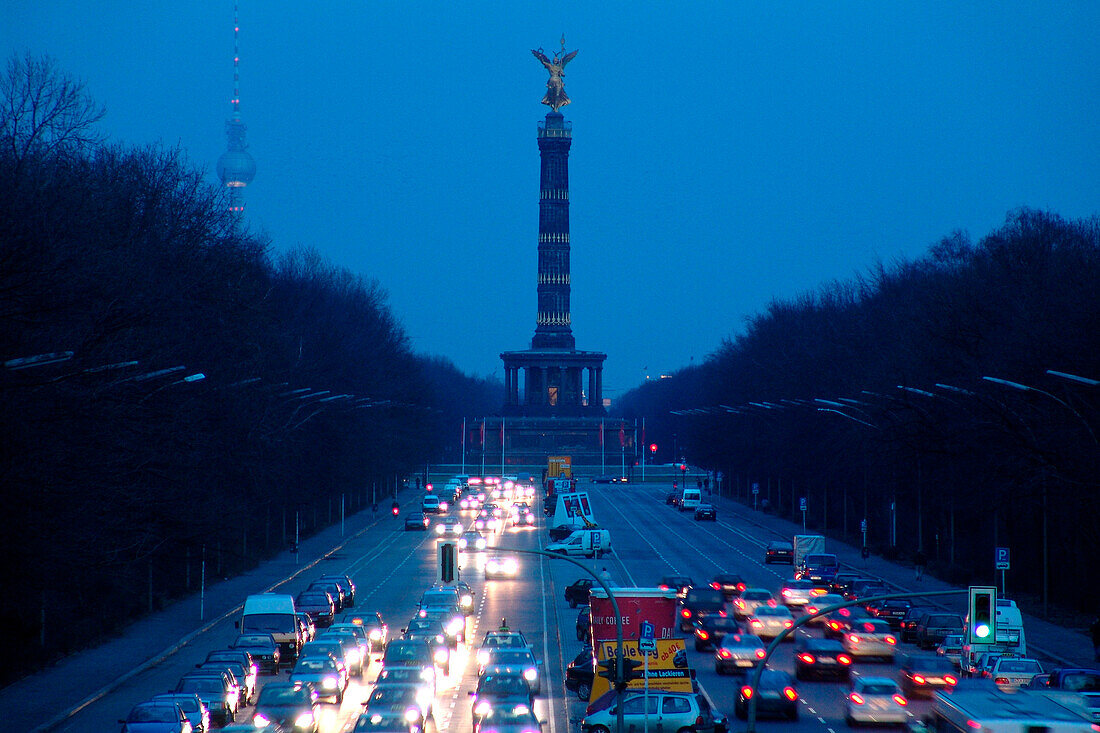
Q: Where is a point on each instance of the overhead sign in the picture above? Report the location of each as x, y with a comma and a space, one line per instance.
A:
668, 667
1000, 558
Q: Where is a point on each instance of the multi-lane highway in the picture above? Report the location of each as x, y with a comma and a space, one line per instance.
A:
392, 567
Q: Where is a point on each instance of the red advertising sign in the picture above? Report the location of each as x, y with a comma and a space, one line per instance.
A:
636, 605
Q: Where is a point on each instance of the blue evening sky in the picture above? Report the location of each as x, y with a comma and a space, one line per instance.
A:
724, 153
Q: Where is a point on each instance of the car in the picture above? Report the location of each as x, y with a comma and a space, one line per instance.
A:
249, 669
842, 583
156, 717
983, 664
738, 653
797, 593
504, 690
870, 639
584, 625
328, 649
839, 622
406, 676
504, 660
672, 498
465, 595
775, 695
706, 511
335, 588
677, 711
522, 516
951, 648
409, 700
306, 626
416, 520
768, 622
700, 602
933, 627
431, 504
907, 627
778, 551
709, 630
346, 583
500, 638
580, 672
362, 637
815, 657
319, 606
353, 655
383, 723
501, 566
519, 719
326, 678
729, 583
750, 599
214, 691
431, 631
1012, 672
239, 675
576, 593
263, 649
472, 541
410, 653
865, 588
449, 527
197, 714
376, 628
816, 604
890, 610
923, 674
679, 583
875, 700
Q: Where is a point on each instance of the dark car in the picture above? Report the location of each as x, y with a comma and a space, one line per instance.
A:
908, 624
404, 698
706, 511
778, 551
584, 625
376, 628
409, 653
729, 583
815, 657
346, 583
416, 520
678, 583
842, 583
577, 592
263, 648
580, 673
379, 723
839, 622
890, 610
932, 627
711, 629
335, 591
672, 498
864, 588
775, 696
500, 690
319, 606
923, 674
156, 717
293, 706
699, 602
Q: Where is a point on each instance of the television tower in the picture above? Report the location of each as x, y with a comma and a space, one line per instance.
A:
236, 168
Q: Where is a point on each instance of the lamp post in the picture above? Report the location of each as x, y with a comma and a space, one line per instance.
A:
1063, 403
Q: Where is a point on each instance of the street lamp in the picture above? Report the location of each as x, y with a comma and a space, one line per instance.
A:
1074, 378
1063, 403
26, 362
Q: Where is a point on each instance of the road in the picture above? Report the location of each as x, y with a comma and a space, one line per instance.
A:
392, 568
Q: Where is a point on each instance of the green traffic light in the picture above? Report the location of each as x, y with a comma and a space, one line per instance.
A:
981, 631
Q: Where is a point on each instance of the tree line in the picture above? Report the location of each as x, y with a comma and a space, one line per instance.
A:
172, 388
948, 400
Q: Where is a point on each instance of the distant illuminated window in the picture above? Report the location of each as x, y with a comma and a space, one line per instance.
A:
552, 394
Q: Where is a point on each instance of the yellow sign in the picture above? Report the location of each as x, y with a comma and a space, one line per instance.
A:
668, 666
559, 466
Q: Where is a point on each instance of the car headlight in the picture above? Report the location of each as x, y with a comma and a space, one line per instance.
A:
376, 634
483, 708
481, 543
260, 720
439, 529
329, 683
530, 674
305, 720
455, 626
353, 656
412, 715
483, 658
427, 674
467, 600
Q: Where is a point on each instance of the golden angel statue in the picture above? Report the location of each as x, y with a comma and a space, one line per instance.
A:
555, 88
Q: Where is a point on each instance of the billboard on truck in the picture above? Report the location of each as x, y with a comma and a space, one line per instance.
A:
559, 466
573, 512
668, 666
635, 605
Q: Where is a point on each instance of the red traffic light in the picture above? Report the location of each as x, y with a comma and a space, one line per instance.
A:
652, 447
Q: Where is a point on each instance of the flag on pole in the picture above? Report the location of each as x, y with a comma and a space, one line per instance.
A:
622, 436
601, 433
482, 432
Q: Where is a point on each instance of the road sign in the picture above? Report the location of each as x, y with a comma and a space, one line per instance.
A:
802, 504
756, 488
646, 640
1000, 558
863, 525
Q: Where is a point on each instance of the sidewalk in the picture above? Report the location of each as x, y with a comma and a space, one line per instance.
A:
45, 699
1045, 640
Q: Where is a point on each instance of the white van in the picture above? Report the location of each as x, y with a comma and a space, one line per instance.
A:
273, 613
690, 499
586, 542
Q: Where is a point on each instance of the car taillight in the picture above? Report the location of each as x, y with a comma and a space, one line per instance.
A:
771, 602
843, 659
746, 692
834, 625
1000, 680
724, 653
702, 634
807, 658
900, 700
790, 693
788, 624
716, 586
951, 679
740, 586
756, 623
853, 638
786, 592
856, 698
919, 679
891, 640
662, 586
722, 613
973, 724
686, 613
760, 654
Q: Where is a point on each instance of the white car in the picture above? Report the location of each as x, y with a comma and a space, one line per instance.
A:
501, 566
875, 700
768, 622
1009, 672
797, 593
870, 639
448, 527
745, 605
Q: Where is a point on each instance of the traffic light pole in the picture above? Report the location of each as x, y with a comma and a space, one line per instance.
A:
620, 677
803, 620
